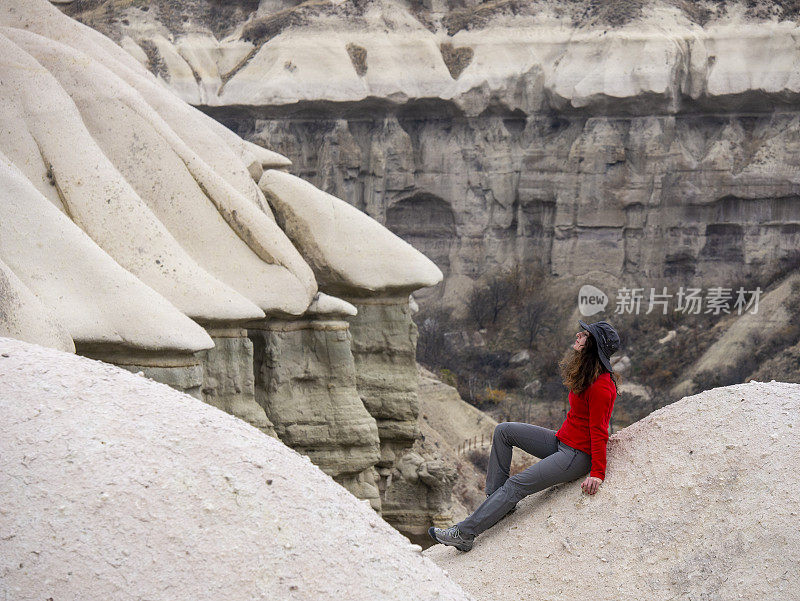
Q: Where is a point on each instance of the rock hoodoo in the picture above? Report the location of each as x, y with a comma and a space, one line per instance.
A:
699, 502
109, 172
117, 487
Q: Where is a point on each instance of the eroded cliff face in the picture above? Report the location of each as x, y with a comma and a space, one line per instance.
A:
635, 143
685, 199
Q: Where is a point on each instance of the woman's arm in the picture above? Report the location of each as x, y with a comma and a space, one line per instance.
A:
600, 404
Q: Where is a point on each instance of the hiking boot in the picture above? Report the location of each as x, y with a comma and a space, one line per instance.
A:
452, 536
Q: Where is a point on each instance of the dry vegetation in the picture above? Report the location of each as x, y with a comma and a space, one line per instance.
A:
456, 59
358, 56
108, 16
155, 62
512, 312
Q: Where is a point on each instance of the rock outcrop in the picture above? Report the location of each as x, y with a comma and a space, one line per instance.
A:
137, 223
442, 478
353, 257
100, 304
698, 503
447, 422
190, 501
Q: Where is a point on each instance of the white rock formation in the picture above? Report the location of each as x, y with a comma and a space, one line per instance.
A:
348, 251
44, 136
698, 502
190, 502
324, 304
97, 301
566, 59
219, 148
175, 182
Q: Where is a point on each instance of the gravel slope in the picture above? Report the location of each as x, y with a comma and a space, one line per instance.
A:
700, 502
117, 487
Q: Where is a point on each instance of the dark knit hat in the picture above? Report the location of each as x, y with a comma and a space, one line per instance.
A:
606, 338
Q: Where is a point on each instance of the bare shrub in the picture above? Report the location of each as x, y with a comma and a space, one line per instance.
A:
456, 59
358, 56
479, 458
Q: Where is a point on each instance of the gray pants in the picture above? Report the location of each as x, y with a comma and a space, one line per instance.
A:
559, 463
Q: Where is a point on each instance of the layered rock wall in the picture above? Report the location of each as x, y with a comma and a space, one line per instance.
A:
384, 350
228, 377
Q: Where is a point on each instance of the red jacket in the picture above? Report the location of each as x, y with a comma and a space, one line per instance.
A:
586, 426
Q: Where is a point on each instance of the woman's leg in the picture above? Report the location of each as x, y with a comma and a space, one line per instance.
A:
564, 465
539, 442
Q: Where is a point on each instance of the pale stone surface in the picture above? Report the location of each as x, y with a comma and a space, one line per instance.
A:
91, 295
305, 379
696, 492
532, 60
443, 409
324, 304
133, 490
348, 251
268, 158
208, 139
25, 317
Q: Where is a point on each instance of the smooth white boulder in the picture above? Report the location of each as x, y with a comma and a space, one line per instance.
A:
324, 304
349, 251
43, 133
91, 295
117, 487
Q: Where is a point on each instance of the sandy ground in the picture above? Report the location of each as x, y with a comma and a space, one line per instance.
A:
700, 502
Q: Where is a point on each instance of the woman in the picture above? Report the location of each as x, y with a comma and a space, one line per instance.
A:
578, 447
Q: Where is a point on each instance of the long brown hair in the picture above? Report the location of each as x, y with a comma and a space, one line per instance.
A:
579, 369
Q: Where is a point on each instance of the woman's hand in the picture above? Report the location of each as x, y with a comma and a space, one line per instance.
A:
591, 485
